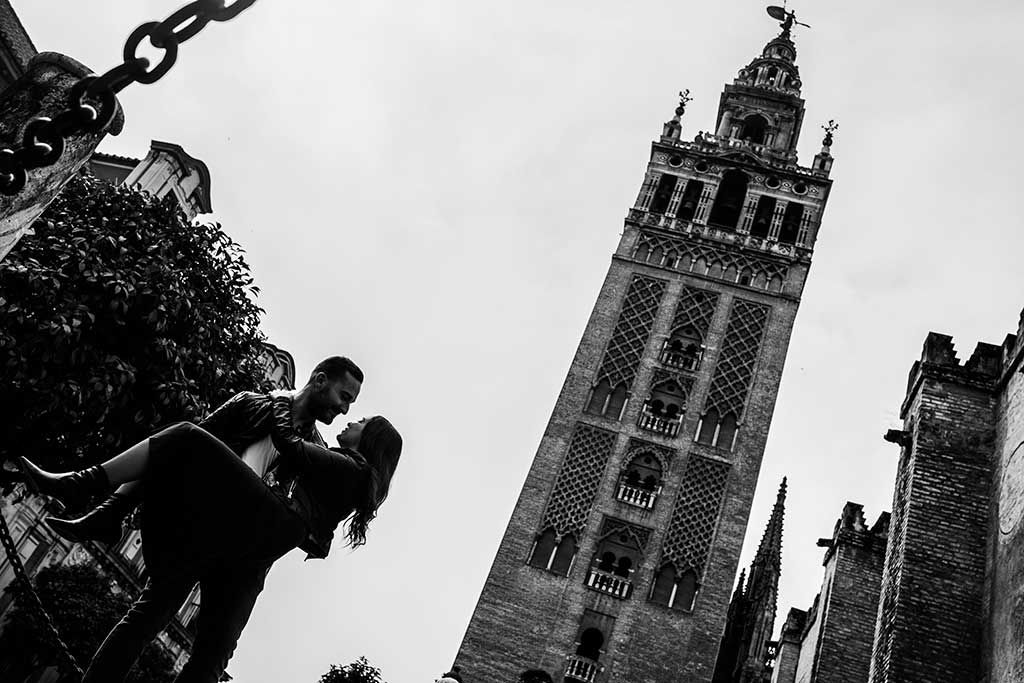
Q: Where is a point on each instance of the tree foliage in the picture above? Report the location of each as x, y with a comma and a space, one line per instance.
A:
117, 316
84, 607
358, 671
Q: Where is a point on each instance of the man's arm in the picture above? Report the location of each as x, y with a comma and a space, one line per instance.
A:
305, 457
237, 421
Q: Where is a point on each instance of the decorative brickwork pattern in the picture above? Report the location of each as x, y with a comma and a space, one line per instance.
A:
631, 331
695, 309
688, 540
577, 483
637, 447
641, 535
685, 382
682, 255
731, 381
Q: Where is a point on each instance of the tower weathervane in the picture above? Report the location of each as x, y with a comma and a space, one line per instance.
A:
829, 128
684, 99
787, 17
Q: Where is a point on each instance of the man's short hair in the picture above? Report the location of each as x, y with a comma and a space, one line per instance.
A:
336, 367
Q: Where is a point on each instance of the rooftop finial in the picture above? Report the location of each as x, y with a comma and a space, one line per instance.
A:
785, 17
684, 99
829, 128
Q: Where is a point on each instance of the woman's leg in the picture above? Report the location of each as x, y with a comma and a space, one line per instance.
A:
128, 466
125, 470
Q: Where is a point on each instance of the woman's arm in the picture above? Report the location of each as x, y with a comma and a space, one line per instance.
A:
302, 455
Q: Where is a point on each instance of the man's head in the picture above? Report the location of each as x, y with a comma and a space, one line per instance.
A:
334, 385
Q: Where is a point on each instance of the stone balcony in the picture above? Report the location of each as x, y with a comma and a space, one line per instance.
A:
681, 359
666, 426
637, 497
580, 669
609, 583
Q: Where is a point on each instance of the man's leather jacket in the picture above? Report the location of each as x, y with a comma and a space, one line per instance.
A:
304, 465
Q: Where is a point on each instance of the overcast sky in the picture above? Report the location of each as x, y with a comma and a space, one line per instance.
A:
435, 189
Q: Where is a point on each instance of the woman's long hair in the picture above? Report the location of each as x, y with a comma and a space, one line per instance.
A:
381, 446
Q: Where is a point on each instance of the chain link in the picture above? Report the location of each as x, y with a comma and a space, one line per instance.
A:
26, 584
92, 102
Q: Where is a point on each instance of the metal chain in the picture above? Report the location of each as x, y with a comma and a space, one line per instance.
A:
26, 583
92, 102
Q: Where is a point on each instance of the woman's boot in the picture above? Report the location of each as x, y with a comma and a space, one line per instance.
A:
74, 490
104, 523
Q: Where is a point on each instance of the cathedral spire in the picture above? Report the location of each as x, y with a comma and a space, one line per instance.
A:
769, 553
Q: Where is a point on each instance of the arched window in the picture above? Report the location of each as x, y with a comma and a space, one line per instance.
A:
726, 432
663, 193
598, 398
728, 206
535, 676
561, 563
772, 73
763, 217
616, 401
663, 410
791, 222
683, 349
686, 591
612, 566
623, 567
640, 482
690, 200
755, 129
591, 642
606, 401
671, 592
543, 550
642, 251
664, 586
708, 425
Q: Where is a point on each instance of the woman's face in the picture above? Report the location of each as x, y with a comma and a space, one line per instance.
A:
349, 437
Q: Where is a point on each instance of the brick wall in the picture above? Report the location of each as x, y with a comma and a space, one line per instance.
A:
930, 622
789, 647
850, 601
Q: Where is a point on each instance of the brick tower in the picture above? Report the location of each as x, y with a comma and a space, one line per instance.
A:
621, 553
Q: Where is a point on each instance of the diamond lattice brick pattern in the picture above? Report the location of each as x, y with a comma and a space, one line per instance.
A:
695, 309
688, 540
631, 332
731, 382
577, 483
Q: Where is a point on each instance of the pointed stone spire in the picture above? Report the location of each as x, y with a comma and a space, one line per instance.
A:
769, 553
740, 585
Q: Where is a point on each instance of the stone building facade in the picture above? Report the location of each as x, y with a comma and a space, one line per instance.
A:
620, 556
945, 602
832, 641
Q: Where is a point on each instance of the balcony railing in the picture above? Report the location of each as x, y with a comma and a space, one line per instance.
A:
612, 584
581, 669
685, 359
638, 497
659, 425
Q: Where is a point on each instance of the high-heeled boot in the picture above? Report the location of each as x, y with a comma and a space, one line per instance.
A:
104, 523
74, 490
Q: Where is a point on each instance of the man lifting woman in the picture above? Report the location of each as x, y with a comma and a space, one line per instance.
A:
222, 501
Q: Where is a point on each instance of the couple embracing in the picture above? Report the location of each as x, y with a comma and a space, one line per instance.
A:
223, 500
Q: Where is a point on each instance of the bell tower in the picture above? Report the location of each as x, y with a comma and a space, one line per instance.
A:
619, 560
